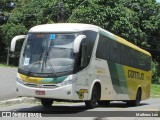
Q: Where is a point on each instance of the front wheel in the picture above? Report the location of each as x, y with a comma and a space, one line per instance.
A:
46, 102
94, 98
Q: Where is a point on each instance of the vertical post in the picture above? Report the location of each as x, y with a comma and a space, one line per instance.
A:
60, 14
7, 55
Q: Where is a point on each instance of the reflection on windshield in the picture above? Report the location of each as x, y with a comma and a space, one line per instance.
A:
47, 53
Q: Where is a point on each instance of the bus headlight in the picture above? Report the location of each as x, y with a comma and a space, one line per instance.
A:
20, 81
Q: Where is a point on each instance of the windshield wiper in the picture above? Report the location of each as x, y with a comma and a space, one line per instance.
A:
37, 62
29, 71
49, 63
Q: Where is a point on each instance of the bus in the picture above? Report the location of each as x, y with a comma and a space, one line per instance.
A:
81, 63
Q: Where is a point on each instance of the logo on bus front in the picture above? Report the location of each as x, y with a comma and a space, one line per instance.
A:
40, 85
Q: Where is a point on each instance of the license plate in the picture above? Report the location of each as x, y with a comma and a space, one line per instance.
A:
40, 92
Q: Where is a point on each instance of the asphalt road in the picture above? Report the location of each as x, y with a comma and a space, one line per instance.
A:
78, 110
7, 83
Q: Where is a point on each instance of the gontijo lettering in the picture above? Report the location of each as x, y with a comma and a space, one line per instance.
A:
135, 75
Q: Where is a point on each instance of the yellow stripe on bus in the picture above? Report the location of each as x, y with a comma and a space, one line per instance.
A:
30, 79
125, 42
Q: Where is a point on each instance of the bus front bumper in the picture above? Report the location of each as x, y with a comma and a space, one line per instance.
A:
62, 92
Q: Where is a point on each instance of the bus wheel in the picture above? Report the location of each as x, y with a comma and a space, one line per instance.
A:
135, 102
46, 102
103, 102
94, 98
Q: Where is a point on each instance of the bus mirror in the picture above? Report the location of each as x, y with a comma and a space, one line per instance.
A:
13, 42
77, 43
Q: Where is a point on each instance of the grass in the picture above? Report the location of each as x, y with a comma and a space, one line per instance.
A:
5, 65
155, 90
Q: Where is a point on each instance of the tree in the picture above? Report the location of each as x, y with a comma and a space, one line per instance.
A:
112, 16
6, 6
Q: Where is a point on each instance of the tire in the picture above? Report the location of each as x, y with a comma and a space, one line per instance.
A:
46, 102
135, 102
103, 103
94, 98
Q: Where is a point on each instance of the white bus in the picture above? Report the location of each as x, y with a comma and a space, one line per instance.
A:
81, 63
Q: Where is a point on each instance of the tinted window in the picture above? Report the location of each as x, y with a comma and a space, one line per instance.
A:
124, 55
85, 52
115, 51
90, 41
144, 62
103, 48
111, 50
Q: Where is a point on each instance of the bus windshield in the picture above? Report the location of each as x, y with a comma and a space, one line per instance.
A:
47, 53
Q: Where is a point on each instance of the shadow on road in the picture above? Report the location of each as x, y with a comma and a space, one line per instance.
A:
68, 109
58, 109
121, 105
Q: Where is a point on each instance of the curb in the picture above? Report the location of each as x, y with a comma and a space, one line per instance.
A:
18, 101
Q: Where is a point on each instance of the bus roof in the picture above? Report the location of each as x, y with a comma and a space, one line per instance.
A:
63, 27
78, 27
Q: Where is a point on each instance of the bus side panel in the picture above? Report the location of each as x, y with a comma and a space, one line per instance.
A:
138, 78
118, 80
98, 71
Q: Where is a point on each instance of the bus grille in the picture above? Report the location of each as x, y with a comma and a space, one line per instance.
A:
40, 85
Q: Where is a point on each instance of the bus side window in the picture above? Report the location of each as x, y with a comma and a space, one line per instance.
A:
114, 51
103, 48
124, 55
82, 58
83, 55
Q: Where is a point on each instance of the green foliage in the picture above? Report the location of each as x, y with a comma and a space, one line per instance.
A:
155, 90
27, 15
124, 18
155, 73
13, 30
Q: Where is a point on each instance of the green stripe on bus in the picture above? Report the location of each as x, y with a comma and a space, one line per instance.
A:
118, 78
122, 78
54, 80
114, 77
